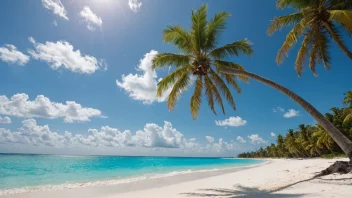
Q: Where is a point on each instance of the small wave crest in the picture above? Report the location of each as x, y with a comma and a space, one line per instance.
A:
97, 182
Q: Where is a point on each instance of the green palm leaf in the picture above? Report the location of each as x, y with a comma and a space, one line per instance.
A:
168, 59
196, 98
214, 27
170, 79
199, 25
179, 37
241, 46
279, 22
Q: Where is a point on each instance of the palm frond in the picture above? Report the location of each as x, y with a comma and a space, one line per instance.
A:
304, 51
169, 59
196, 98
298, 4
214, 27
291, 39
220, 84
170, 79
241, 46
216, 92
279, 22
343, 17
323, 55
340, 4
179, 86
221, 64
209, 93
199, 25
179, 37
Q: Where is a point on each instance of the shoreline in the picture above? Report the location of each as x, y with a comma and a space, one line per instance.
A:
187, 175
273, 178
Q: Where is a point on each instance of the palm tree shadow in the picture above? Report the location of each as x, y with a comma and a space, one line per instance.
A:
239, 191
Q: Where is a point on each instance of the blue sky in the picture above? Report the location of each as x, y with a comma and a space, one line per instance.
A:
114, 38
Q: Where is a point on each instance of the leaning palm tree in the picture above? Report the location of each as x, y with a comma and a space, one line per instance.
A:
316, 21
195, 59
201, 59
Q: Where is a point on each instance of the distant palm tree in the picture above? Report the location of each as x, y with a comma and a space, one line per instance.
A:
201, 58
324, 139
348, 111
348, 99
316, 21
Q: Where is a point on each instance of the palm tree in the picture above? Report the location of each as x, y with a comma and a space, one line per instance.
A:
202, 59
197, 47
316, 21
348, 99
324, 139
348, 111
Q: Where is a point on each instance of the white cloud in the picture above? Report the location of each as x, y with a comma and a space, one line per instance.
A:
135, 5
255, 138
210, 139
154, 138
11, 55
272, 134
240, 139
5, 120
291, 113
19, 105
56, 7
90, 18
143, 87
62, 54
232, 121
278, 109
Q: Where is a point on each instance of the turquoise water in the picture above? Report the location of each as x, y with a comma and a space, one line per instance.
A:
17, 171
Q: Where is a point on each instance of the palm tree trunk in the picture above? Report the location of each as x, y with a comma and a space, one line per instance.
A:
337, 40
344, 143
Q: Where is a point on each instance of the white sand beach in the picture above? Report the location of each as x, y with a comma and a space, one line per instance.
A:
277, 178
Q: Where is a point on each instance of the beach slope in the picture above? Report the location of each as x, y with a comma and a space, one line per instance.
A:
278, 178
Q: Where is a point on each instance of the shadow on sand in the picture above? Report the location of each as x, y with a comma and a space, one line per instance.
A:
239, 191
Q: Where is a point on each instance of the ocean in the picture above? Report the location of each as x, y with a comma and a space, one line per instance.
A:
18, 171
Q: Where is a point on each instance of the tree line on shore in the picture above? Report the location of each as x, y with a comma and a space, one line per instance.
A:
310, 140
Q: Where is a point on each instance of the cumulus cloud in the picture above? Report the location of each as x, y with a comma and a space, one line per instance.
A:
291, 113
209, 138
153, 137
240, 139
286, 114
62, 54
19, 105
5, 120
255, 138
10, 54
91, 19
135, 5
143, 86
272, 134
232, 122
56, 7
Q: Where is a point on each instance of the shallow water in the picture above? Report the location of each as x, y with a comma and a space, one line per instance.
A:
18, 171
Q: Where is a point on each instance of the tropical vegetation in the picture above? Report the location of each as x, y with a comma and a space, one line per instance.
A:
308, 141
200, 58
316, 21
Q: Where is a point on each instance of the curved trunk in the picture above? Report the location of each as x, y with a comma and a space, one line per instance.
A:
344, 143
337, 40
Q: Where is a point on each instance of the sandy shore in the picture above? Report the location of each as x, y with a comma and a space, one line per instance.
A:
278, 178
